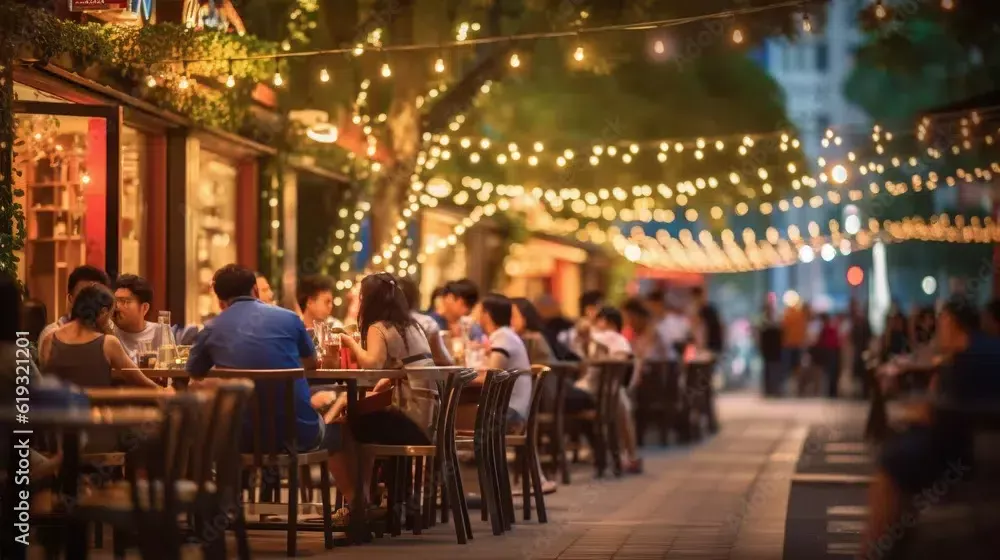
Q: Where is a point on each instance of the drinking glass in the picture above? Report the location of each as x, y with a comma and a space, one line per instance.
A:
145, 354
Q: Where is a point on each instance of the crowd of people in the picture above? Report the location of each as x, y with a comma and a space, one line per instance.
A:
97, 344
813, 351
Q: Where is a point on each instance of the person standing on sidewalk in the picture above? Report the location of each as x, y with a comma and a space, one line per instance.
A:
769, 344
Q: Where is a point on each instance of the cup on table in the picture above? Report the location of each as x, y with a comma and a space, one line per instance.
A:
145, 355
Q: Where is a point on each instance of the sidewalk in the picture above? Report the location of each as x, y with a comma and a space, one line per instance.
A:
726, 498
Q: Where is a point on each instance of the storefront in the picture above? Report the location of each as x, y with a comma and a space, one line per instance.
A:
449, 261
115, 183
547, 267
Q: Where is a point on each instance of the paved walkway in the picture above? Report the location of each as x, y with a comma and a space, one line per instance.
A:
726, 498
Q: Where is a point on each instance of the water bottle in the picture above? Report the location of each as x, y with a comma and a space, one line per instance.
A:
166, 354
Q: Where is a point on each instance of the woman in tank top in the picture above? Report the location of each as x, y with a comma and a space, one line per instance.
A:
80, 352
391, 339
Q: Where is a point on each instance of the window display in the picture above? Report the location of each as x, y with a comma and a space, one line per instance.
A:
212, 243
133, 202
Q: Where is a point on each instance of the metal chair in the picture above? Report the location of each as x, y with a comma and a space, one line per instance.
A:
485, 441
526, 445
405, 493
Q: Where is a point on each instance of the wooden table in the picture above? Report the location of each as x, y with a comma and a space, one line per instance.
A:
71, 423
127, 396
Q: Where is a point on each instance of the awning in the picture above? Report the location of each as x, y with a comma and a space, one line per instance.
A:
688, 279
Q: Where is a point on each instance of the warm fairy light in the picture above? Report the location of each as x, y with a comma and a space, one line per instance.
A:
737, 36
439, 65
806, 23
947, 4
839, 174
324, 76
230, 81
386, 70
578, 54
150, 81
658, 47
278, 80
880, 12
184, 83
515, 60
539, 146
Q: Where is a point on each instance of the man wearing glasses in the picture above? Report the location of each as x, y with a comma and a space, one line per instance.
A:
134, 296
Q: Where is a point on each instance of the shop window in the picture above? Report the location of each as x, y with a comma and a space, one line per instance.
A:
63, 175
133, 202
212, 239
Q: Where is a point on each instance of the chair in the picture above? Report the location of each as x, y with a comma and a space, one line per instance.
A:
552, 416
526, 445
484, 440
219, 500
656, 402
698, 403
271, 456
417, 460
143, 513
610, 377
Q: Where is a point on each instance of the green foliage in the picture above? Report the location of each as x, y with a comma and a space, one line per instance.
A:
124, 56
12, 231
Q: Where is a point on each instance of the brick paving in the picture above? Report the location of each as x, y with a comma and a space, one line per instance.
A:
725, 498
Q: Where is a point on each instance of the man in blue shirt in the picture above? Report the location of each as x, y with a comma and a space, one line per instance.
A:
250, 334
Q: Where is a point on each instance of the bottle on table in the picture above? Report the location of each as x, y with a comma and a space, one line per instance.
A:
166, 353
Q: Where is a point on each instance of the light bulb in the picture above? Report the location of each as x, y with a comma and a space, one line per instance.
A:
230, 81
658, 47
578, 54
515, 60
947, 4
184, 82
150, 81
807, 25
737, 36
880, 12
439, 65
324, 76
278, 80
386, 71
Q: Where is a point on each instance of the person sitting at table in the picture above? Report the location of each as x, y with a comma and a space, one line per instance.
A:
506, 352
133, 298
315, 299
80, 352
457, 301
527, 323
80, 278
253, 335
933, 447
604, 341
427, 323
391, 339
264, 291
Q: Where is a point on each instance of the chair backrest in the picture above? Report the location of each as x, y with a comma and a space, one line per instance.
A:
264, 412
163, 456
489, 399
610, 376
445, 436
220, 435
539, 374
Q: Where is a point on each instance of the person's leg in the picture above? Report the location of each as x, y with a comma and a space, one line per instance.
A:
626, 430
342, 448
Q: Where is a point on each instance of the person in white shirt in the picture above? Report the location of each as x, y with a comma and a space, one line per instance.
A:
605, 341
672, 326
506, 352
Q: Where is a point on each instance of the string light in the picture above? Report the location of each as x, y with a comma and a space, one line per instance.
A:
515, 61
880, 11
947, 4
324, 76
439, 65
806, 23
230, 79
184, 82
278, 80
737, 36
150, 81
386, 70
578, 54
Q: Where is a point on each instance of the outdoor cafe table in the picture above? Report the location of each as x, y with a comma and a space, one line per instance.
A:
358, 530
71, 423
